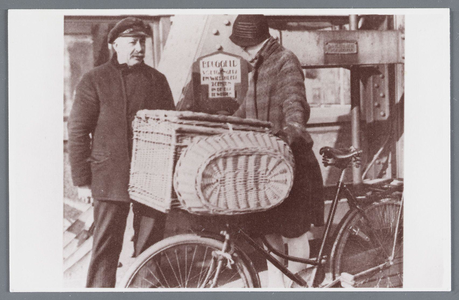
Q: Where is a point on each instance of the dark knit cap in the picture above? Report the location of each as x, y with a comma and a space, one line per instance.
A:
130, 26
250, 30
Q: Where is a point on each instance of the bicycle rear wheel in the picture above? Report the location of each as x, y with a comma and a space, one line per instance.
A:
369, 246
190, 261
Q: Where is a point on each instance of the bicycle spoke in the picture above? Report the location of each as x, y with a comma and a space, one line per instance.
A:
397, 227
165, 278
372, 239
232, 276
400, 277
151, 283
389, 282
212, 273
202, 266
192, 262
188, 261
380, 240
172, 268
186, 265
154, 275
178, 266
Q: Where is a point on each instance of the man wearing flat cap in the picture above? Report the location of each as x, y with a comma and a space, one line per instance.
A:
100, 145
277, 94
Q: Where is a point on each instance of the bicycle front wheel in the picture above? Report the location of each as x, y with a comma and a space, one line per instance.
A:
190, 261
369, 247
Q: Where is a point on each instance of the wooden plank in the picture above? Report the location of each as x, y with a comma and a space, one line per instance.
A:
83, 222
76, 243
77, 255
100, 46
75, 276
177, 59
156, 42
165, 28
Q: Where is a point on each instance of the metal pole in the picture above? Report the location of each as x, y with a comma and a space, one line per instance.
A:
355, 107
353, 22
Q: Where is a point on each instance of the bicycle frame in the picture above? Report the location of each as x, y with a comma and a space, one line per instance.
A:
354, 223
320, 260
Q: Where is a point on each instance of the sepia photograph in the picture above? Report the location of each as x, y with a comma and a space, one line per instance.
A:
243, 150
234, 151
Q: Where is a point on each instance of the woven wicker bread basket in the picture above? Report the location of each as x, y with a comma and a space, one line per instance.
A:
160, 137
234, 173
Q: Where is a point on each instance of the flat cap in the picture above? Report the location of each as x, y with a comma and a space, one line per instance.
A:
130, 26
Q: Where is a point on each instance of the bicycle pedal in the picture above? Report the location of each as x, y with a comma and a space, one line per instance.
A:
347, 280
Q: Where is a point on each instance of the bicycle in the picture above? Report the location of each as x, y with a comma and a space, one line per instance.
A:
366, 249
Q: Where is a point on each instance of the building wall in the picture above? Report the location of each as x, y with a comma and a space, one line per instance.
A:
327, 86
179, 40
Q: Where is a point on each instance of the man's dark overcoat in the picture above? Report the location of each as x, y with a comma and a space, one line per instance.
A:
101, 109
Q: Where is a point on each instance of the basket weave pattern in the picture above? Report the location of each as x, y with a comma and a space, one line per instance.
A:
159, 139
234, 173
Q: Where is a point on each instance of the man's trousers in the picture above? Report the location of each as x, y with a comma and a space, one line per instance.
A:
109, 227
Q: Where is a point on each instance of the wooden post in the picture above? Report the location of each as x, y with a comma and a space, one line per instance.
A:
100, 46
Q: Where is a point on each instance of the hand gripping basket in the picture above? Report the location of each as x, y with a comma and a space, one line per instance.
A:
160, 137
234, 173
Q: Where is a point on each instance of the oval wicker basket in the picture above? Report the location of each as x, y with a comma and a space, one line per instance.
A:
234, 173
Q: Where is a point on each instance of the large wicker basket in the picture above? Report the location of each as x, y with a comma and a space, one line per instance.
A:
234, 173
159, 139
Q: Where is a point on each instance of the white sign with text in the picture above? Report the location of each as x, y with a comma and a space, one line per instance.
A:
221, 72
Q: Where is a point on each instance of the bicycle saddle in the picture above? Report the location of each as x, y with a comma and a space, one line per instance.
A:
339, 157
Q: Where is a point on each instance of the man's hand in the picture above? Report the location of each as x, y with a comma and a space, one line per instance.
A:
289, 134
294, 131
85, 194
283, 135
